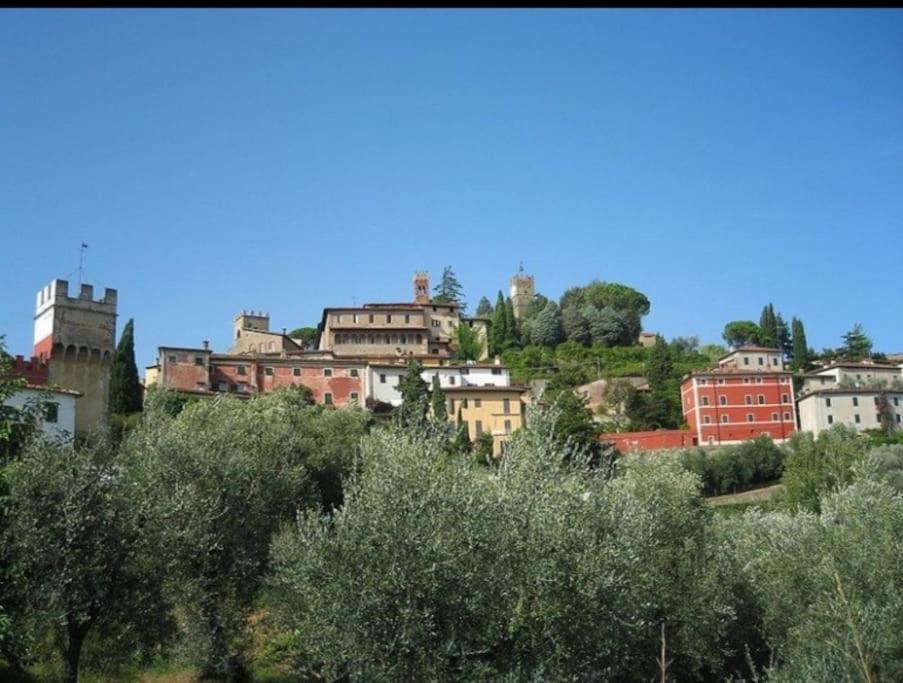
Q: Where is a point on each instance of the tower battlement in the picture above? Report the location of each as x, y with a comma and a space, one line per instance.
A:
522, 292
421, 287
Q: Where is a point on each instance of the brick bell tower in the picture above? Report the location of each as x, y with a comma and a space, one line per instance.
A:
77, 337
421, 287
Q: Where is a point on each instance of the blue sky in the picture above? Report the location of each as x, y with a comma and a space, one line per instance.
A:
291, 160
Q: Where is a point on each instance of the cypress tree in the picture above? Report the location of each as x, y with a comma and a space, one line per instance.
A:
499, 332
415, 402
484, 307
125, 390
660, 365
437, 398
768, 327
512, 338
800, 347
462, 438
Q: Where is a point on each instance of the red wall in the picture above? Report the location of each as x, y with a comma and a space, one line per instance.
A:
648, 441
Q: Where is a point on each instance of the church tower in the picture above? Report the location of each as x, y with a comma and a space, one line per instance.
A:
522, 292
421, 287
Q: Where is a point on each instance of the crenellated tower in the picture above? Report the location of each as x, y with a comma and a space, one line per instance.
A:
522, 292
421, 287
77, 337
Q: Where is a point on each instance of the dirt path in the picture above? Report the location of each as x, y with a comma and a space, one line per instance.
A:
753, 496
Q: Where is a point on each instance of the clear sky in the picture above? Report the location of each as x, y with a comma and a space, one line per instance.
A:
290, 160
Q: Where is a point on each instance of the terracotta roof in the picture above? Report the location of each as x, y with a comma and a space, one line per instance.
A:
851, 390
859, 365
53, 390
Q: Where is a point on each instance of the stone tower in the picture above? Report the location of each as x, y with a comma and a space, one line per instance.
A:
249, 320
421, 288
77, 336
522, 292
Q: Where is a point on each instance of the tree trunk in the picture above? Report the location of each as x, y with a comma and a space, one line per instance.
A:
75, 636
216, 666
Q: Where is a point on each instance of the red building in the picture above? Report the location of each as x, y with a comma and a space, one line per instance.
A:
333, 382
749, 393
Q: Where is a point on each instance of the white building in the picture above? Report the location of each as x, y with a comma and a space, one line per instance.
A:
850, 393
59, 415
382, 380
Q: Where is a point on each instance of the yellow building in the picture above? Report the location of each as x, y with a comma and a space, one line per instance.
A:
498, 411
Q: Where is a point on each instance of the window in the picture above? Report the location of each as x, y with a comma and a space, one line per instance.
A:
452, 380
371, 317
724, 419
745, 360
198, 360
774, 361
327, 399
435, 323
720, 381
407, 318
786, 416
761, 361
761, 399
706, 419
856, 418
477, 403
876, 400
898, 418
296, 372
268, 372
465, 371
703, 381
354, 396
354, 317
243, 387
506, 405
419, 339
774, 417
382, 379
827, 402
479, 427
388, 317
327, 372
507, 426
896, 401
498, 371
241, 370
785, 398
172, 359
748, 399
746, 380
750, 417
51, 412
353, 372
855, 401
758, 380
705, 400
830, 419
722, 400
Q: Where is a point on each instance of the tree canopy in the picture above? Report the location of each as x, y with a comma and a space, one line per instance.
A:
125, 388
741, 333
449, 289
856, 345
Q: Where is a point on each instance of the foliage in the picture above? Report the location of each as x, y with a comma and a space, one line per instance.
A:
219, 479
306, 335
728, 469
629, 305
484, 308
856, 346
449, 289
415, 397
498, 332
540, 571
462, 444
17, 425
741, 333
162, 401
800, 349
816, 466
659, 368
768, 327
438, 402
545, 328
78, 549
467, 345
125, 389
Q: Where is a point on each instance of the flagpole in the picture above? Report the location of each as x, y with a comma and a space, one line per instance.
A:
81, 258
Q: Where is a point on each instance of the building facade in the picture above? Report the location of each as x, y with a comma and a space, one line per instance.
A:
383, 379
76, 336
333, 382
748, 394
498, 411
862, 395
60, 405
251, 334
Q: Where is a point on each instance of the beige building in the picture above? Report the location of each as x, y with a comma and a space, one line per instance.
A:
251, 334
498, 411
420, 329
851, 393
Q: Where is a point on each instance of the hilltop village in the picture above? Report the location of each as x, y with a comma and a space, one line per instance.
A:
357, 356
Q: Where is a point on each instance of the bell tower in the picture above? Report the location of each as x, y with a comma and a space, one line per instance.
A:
421, 287
522, 292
